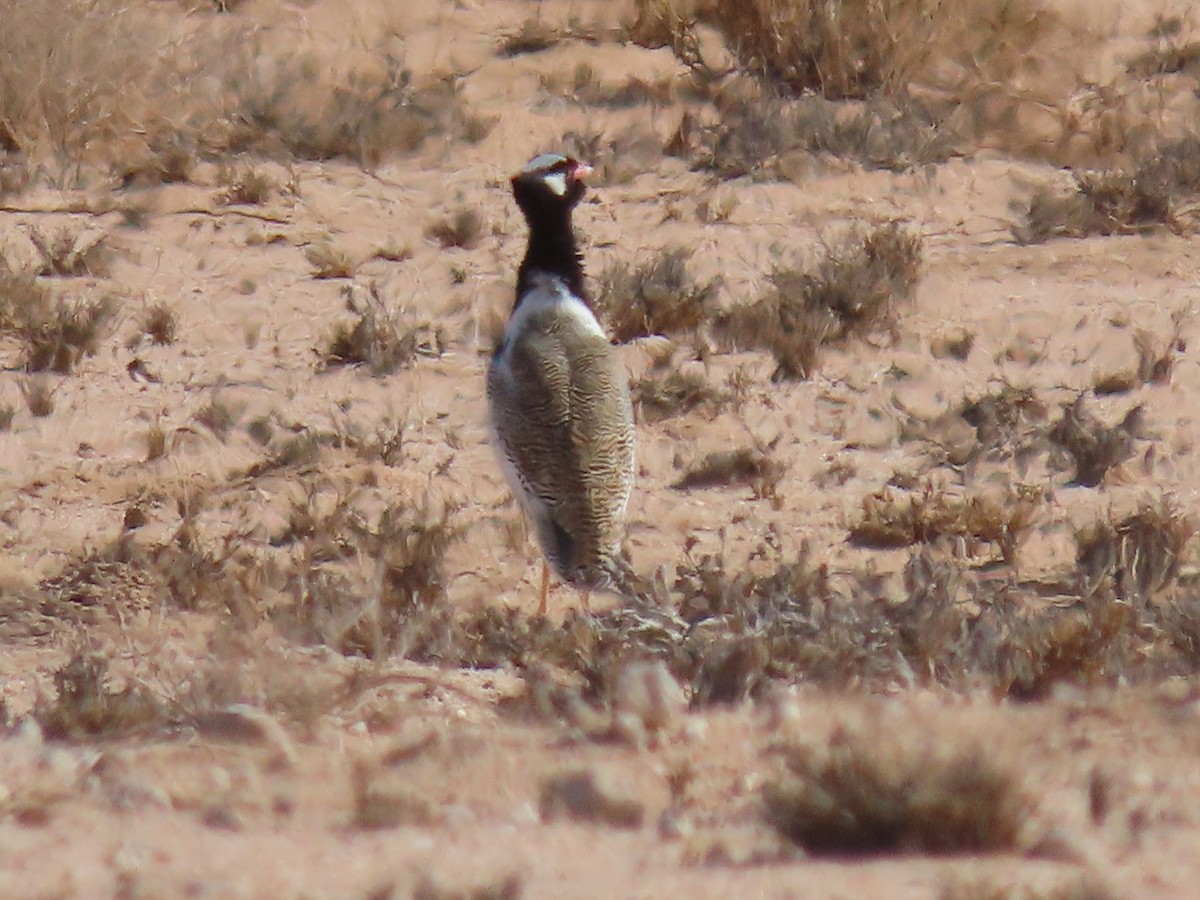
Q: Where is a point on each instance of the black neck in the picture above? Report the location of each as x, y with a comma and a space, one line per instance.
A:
552, 250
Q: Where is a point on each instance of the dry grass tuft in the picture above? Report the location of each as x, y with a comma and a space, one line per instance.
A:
70, 252
329, 261
161, 323
87, 705
615, 158
54, 334
889, 788
1118, 201
1094, 446
658, 297
932, 513
463, 229
218, 417
399, 608
533, 36
724, 468
853, 290
752, 137
39, 395
1138, 556
380, 338
675, 394
374, 111
245, 185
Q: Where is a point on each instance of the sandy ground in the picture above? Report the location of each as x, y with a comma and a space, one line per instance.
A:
263, 809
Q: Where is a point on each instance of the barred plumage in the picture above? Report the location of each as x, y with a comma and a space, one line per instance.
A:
558, 397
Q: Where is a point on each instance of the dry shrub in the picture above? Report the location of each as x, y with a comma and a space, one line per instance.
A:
160, 323
400, 607
885, 786
1094, 446
54, 333
218, 417
751, 466
932, 513
329, 261
70, 252
615, 159
78, 76
533, 36
853, 290
382, 339
726, 633
1008, 419
1118, 201
39, 395
588, 90
1169, 55
148, 93
675, 394
463, 229
246, 185
1136, 557
8, 412
657, 297
371, 108
751, 135
87, 705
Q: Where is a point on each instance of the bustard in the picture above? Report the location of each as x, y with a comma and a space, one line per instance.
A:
558, 397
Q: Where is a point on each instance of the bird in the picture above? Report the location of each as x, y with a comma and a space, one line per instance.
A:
559, 407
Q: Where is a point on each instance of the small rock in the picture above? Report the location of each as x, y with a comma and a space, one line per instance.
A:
588, 796
647, 701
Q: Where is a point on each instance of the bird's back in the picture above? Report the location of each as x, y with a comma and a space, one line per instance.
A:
563, 421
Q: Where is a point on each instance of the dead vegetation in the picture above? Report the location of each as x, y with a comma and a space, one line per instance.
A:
463, 229
54, 332
757, 134
853, 290
70, 252
1127, 200
39, 395
164, 99
751, 466
887, 787
88, 705
1095, 447
1136, 557
379, 337
657, 297
160, 323
677, 393
533, 35
330, 261
245, 185
932, 513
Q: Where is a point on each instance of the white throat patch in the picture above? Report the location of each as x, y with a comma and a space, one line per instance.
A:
557, 183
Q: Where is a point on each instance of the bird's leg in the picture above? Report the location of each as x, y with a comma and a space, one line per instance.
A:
584, 601
545, 588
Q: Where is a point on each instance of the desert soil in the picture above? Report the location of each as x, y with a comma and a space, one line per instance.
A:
275, 798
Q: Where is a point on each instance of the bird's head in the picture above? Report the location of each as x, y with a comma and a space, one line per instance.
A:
550, 182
